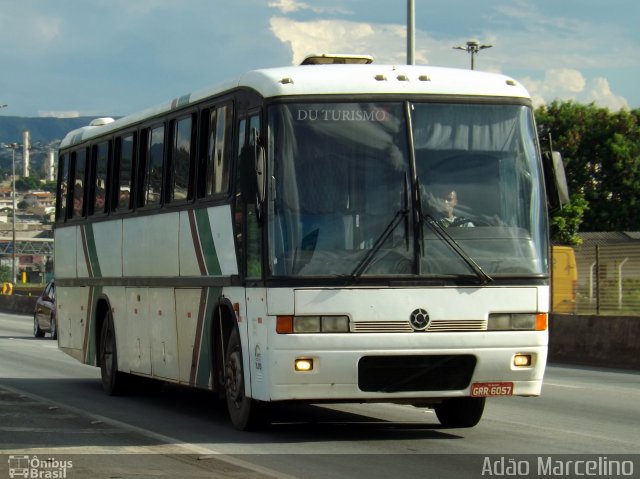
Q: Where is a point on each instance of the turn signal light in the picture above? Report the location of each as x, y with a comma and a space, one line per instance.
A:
542, 322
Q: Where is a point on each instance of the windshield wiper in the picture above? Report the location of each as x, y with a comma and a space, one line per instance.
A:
441, 232
393, 224
368, 258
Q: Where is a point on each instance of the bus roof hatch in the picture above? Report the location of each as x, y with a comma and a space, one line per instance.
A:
336, 59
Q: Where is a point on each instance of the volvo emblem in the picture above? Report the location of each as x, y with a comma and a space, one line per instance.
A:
419, 319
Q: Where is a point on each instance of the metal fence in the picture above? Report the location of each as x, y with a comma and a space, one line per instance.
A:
608, 279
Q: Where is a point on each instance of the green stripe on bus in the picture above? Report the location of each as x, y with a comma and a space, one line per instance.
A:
207, 244
89, 342
206, 349
93, 253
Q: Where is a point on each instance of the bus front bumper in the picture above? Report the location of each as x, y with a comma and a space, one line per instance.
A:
401, 371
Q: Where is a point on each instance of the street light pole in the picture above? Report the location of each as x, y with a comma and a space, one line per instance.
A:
473, 47
411, 29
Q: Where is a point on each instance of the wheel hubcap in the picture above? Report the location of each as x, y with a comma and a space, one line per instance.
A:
233, 377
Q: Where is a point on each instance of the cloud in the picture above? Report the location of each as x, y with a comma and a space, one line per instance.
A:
59, 114
29, 34
570, 84
290, 6
45, 29
386, 42
599, 92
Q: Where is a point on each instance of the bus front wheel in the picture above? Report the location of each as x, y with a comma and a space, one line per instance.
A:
243, 410
460, 412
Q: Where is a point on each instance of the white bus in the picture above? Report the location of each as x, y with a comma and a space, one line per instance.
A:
322, 233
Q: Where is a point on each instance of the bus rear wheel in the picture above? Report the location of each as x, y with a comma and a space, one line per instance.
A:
460, 412
114, 382
243, 411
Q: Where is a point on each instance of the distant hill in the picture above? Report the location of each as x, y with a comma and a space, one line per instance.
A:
41, 130
44, 133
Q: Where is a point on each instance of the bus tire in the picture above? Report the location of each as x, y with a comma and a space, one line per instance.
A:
243, 411
37, 332
114, 382
460, 412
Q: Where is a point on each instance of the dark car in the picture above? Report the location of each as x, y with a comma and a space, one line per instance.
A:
45, 318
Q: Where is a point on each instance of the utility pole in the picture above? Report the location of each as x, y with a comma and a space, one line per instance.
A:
473, 47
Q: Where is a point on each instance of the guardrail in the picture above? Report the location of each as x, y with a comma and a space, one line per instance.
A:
604, 341
18, 304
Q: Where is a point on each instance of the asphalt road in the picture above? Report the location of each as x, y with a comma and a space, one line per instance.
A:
52, 407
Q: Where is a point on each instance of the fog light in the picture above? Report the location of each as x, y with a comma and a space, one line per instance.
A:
522, 360
304, 364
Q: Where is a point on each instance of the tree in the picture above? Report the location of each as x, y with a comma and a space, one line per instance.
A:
566, 222
601, 151
27, 183
5, 273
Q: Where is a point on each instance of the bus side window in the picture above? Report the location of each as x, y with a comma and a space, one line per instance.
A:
63, 188
123, 171
99, 174
217, 167
245, 208
154, 163
181, 160
254, 231
238, 218
79, 183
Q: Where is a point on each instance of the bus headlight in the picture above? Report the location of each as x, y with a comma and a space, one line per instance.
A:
312, 324
335, 324
306, 324
517, 321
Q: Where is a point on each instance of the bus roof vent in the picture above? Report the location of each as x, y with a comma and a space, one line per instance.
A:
337, 59
101, 121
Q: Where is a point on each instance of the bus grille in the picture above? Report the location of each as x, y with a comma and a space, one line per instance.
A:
446, 325
390, 374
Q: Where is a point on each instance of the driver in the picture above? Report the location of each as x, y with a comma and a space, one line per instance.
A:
449, 219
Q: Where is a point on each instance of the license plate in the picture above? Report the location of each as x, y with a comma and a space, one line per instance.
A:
491, 389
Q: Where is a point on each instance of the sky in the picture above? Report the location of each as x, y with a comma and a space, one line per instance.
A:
69, 58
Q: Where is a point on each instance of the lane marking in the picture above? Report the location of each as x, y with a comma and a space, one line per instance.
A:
562, 386
175, 446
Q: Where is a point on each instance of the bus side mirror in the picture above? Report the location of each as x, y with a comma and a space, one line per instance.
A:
555, 180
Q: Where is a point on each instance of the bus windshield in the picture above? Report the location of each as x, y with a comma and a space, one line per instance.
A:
434, 190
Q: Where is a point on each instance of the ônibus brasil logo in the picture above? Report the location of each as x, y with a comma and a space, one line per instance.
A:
36, 468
